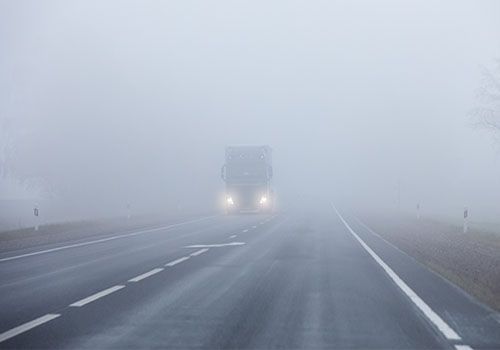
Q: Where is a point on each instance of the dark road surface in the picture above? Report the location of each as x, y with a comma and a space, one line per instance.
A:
299, 279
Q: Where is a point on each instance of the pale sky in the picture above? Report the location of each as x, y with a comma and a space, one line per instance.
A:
135, 100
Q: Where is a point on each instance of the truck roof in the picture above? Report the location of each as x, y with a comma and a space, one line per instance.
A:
262, 152
248, 146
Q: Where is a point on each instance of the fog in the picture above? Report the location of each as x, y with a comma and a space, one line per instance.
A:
363, 102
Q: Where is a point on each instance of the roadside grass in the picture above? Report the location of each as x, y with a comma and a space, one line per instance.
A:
470, 261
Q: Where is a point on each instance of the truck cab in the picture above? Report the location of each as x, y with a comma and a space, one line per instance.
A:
247, 173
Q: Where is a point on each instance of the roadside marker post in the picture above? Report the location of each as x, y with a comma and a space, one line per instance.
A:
418, 211
36, 213
466, 215
128, 210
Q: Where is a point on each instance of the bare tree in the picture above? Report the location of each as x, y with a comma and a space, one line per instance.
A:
487, 114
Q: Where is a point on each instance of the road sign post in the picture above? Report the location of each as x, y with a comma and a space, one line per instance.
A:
466, 215
36, 213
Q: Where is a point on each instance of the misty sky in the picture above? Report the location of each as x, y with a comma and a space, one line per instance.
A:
135, 100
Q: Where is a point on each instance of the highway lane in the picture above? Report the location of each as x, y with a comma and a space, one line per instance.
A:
300, 279
31, 284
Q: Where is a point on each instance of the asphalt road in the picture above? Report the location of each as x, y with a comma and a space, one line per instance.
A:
298, 279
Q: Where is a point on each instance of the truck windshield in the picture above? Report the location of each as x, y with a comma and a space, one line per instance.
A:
246, 171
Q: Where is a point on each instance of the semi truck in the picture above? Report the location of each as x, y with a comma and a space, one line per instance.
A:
247, 174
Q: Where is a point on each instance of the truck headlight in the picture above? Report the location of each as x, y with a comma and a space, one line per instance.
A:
230, 200
263, 200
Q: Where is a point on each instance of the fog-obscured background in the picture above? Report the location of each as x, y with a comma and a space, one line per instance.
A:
367, 102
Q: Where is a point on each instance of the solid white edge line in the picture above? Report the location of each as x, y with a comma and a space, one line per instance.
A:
146, 275
96, 296
177, 261
434, 318
27, 326
58, 248
104, 239
198, 252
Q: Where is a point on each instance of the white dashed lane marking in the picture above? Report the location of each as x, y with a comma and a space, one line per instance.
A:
146, 275
177, 261
44, 319
198, 252
463, 347
215, 245
96, 296
27, 326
